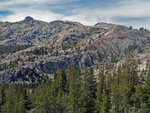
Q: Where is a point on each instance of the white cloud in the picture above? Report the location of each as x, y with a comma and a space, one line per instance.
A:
32, 8
128, 9
39, 9
39, 15
15, 2
4, 3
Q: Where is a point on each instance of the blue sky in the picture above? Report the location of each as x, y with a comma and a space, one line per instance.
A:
88, 12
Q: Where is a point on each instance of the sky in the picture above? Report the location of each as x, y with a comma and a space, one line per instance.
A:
88, 12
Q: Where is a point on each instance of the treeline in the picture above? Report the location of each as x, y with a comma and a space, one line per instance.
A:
123, 91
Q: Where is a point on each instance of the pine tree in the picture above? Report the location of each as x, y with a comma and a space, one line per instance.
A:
115, 94
61, 81
88, 91
11, 98
128, 81
50, 97
146, 95
42, 99
21, 99
74, 86
147, 64
105, 103
2, 97
99, 92
137, 98
90, 82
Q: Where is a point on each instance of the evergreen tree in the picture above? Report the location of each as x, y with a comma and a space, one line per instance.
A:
74, 86
42, 99
21, 99
89, 82
99, 92
51, 97
61, 82
146, 95
105, 103
136, 98
11, 98
115, 94
62, 91
128, 81
88, 91
147, 64
2, 97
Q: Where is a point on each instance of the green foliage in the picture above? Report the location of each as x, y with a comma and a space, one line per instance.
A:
88, 91
74, 87
140, 50
141, 29
146, 95
105, 101
2, 97
130, 28
40, 51
15, 99
12, 48
71, 91
100, 86
128, 81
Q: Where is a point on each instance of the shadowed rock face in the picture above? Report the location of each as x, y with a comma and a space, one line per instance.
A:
28, 19
52, 46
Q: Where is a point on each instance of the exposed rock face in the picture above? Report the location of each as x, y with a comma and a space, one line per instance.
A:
28, 19
56, 44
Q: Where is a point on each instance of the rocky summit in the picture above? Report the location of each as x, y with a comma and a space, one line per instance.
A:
32, 50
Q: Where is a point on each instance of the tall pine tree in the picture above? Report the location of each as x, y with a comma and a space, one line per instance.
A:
99, 92
74, 86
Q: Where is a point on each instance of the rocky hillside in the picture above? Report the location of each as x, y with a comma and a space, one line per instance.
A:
32, 50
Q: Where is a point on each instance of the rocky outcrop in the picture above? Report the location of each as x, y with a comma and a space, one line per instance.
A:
49, 47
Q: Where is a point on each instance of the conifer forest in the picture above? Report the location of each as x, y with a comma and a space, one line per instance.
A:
76, 91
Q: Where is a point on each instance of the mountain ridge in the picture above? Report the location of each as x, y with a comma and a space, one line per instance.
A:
44, 48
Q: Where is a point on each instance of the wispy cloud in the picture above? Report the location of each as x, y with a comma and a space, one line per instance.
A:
127, 12
123, 13
38, 9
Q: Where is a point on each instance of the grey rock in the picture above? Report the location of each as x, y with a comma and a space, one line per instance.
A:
57, 44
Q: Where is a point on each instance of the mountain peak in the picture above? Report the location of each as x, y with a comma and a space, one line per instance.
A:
28, 19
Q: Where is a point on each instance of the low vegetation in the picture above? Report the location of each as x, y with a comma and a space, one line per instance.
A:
12, 48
